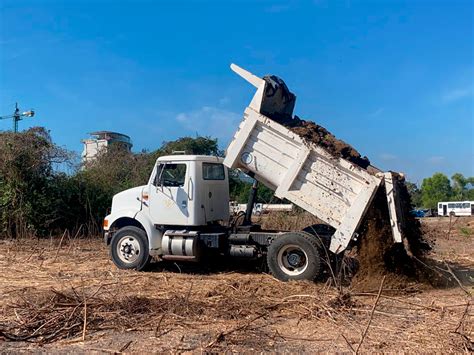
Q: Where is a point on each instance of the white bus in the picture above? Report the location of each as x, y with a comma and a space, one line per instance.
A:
456, 208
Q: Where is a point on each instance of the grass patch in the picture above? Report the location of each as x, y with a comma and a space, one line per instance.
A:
466, 231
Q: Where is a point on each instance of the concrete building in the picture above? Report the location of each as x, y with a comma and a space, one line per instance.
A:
100, 140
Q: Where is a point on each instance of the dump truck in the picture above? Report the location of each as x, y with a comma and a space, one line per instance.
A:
182, 214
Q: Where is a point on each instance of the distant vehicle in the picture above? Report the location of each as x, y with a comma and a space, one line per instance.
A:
456, 208
418, 213
431, 212
421, 213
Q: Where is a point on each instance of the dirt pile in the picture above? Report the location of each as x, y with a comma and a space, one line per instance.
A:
379, 256
316, 134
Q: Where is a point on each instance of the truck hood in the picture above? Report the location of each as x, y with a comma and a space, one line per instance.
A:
128, 199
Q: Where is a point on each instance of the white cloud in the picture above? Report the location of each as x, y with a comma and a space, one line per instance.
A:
456, 94
210, 121
436, 159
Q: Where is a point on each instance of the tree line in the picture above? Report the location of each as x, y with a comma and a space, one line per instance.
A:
439, 188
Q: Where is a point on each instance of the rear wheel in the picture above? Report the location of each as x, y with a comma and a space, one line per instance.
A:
294, 256
129, 248
330, 263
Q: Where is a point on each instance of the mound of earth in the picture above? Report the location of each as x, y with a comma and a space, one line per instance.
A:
379, 256
319, 135
316, 134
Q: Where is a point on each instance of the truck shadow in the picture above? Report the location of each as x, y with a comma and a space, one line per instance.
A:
212, 266
437, 274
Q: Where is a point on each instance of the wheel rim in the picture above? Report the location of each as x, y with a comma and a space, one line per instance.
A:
292, 260
128, 249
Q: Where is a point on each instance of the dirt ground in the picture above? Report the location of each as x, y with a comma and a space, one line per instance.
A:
69, 297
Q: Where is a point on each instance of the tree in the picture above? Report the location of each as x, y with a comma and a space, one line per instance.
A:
415, 193
239, 190
462, 187
434, 189
189, 145
27, 162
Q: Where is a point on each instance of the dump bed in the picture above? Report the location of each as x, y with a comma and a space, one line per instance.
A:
333, 189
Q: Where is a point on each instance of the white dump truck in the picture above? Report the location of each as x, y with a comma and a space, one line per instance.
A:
182, 214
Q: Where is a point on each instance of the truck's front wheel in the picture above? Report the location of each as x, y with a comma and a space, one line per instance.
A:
294, 256
129, 248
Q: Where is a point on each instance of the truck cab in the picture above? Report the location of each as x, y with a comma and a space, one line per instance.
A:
183, 192
188, 190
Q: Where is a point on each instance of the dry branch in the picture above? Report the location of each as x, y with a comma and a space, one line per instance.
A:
364, 334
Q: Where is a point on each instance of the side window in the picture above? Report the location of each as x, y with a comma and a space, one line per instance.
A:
213, 171
440, 205
170, 175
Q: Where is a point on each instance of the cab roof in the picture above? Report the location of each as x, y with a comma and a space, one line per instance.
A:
182, 157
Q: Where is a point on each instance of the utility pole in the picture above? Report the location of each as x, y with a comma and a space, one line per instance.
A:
17, 116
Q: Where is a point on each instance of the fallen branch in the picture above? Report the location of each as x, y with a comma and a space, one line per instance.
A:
456, 278
364, 334
348, 343
396, 299
222, 335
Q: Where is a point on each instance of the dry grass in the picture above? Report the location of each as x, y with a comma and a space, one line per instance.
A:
70, 297
286, 220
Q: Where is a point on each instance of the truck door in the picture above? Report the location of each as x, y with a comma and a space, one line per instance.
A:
168, 197
216, 190
445, 210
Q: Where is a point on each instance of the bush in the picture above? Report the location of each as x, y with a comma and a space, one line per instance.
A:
27, 181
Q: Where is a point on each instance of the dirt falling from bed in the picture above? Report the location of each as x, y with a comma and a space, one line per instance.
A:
379, 256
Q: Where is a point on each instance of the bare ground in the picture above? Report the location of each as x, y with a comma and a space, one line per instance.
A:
68, 297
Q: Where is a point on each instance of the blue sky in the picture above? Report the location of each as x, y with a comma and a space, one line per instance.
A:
393, 78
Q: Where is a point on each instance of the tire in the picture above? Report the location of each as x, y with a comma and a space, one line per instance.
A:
294, 256
330, 263
129, 248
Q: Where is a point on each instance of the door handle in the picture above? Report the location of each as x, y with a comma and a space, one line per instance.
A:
190, 189
183, 203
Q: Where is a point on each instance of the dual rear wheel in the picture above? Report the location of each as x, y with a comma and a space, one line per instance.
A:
295, 256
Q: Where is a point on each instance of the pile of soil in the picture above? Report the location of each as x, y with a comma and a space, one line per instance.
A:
319, 135
379, 256
316, 134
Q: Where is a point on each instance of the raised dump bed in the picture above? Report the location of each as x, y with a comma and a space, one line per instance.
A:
331, 188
